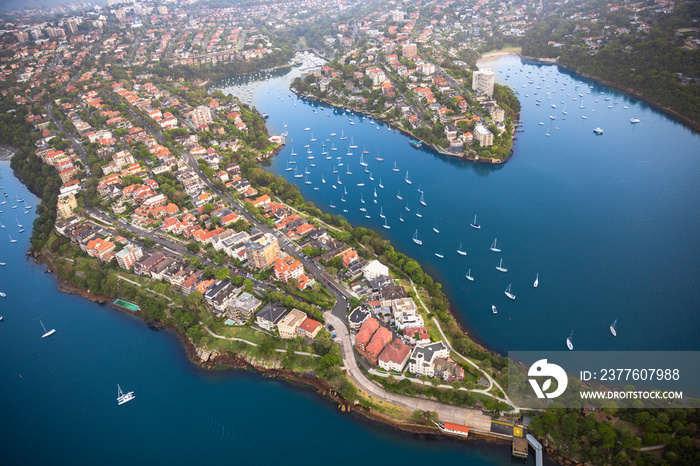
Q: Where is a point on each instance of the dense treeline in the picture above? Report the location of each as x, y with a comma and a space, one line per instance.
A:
586, 439
41, 179
650, 64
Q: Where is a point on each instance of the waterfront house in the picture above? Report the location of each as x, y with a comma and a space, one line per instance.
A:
242, 306
448, 370
364, 336
289, 324
356, 318
394, 356
309, 328
270, 315
422, 361
379, 340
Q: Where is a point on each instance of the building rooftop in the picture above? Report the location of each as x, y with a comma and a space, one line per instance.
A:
272, 312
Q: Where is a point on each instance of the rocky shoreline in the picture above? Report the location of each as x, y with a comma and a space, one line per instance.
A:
210, 361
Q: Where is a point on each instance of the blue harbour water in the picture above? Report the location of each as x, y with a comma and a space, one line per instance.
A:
608, 221
58, 394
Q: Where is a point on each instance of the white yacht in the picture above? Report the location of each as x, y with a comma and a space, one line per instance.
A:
474, 224
500, 267
47, 333
509, 293
124, 397
570, 341
416, 240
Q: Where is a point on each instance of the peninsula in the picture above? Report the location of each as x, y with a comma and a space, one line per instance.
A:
152, 193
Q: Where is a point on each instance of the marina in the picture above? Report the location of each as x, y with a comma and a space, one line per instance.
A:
546, 173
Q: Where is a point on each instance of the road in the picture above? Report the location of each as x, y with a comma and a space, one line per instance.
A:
473, 418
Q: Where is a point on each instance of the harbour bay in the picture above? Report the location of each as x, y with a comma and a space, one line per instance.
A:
59, 392
607, 221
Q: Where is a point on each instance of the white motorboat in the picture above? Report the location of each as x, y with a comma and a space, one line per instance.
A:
439, 255
493, 308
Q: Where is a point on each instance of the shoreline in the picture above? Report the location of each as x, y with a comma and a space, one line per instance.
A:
468, 157
693, 125
211, 361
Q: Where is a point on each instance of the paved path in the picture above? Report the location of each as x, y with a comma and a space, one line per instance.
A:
488, 377
221, 337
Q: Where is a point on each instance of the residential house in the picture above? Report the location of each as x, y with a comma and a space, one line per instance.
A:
289, 324
270, 315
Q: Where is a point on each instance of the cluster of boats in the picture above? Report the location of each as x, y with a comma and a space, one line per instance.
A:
577, 96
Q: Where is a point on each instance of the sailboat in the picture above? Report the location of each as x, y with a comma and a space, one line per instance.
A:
362, 199
416, 240
398, 195
422, 199
493, 246
406, 179
342, 135
362, 160
352, 144
395, 167
418, 214
381, 213
569, 341
407, 209
500, 267
323, 180
364, 150
333, 147
375, 192
335, 170
435, 229
331, 205
612, 328
380, 183
297, 174
47, 333
474, 224
306, 180
460, 251
401, 217
509, 293
371, 177
124, 397
537, 280
339, 182
347, 170
313, 139
469, 275
332, 133
386, 225
12, 240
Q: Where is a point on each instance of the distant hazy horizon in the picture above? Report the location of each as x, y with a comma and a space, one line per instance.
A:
6, 5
